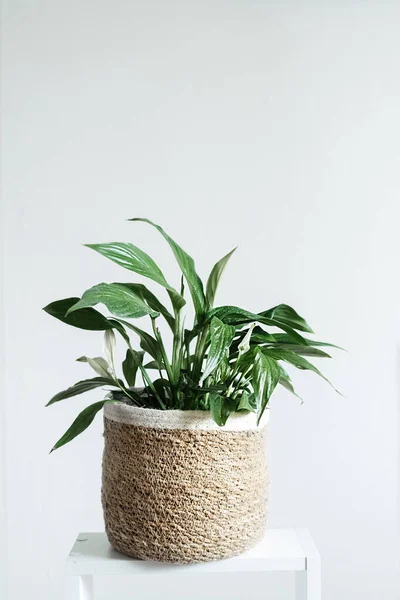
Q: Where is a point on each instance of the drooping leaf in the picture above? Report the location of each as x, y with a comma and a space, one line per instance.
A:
80, 388
287, 315
82, 422
303, 350
98, 364
265, 379
218, 408
85, 318
130, 366
234, 315
214, 278
283, 338
294, 359
187, 266
119, 299
221, 336
286, 382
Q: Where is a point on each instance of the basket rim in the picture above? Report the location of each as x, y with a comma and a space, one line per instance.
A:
181, 419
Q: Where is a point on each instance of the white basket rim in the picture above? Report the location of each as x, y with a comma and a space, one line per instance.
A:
180, 419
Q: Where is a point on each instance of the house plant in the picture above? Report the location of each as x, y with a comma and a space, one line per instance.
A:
184, 468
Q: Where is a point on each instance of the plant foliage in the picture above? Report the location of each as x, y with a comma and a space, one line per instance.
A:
230, 360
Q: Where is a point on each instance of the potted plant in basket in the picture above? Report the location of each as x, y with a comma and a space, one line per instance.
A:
184, 466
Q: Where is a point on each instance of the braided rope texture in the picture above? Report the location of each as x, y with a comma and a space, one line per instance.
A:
183, 496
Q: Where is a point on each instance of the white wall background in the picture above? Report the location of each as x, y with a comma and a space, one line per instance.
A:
272, 125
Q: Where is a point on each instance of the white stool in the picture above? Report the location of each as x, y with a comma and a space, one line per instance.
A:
281, 550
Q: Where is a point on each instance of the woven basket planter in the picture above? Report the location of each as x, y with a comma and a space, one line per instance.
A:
178, 488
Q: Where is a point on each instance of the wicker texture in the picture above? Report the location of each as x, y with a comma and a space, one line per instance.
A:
183, 496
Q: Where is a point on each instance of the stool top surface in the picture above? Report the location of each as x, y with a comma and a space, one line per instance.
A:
280, 550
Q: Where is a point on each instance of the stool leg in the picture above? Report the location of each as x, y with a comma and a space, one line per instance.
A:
86, 587
308, 582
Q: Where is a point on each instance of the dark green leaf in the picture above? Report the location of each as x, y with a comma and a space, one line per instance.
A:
219, 409
221, 336
283, 338
81, 423
187, 266
246, 402
235, 316
287, 315
294, 359
286, 382
81, 387
119, 299
302, 350
130, 366
85, 318
147, 342
265, 379
214, 278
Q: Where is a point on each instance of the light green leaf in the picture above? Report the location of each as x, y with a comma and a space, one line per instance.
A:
287, 315
221, 336
303, 350
119, 299
109, 346
265, 379
81, 387
219, 409
98, 364
187, 266
214, 278
147, 296
82, 422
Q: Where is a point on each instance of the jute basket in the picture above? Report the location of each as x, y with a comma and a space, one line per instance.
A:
178, 488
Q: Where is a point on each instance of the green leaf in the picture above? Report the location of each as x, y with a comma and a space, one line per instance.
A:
303, 350
147, 342
265, 379
246, 402
98, 364
221, 336
144, 293
283, 338
80, 388
287, 315
81, 423
119, 299
259, 336
130, 366
134, 259
219, 409
187, 266
296, 360
85, 318
286, 382
214, 278
236, 316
